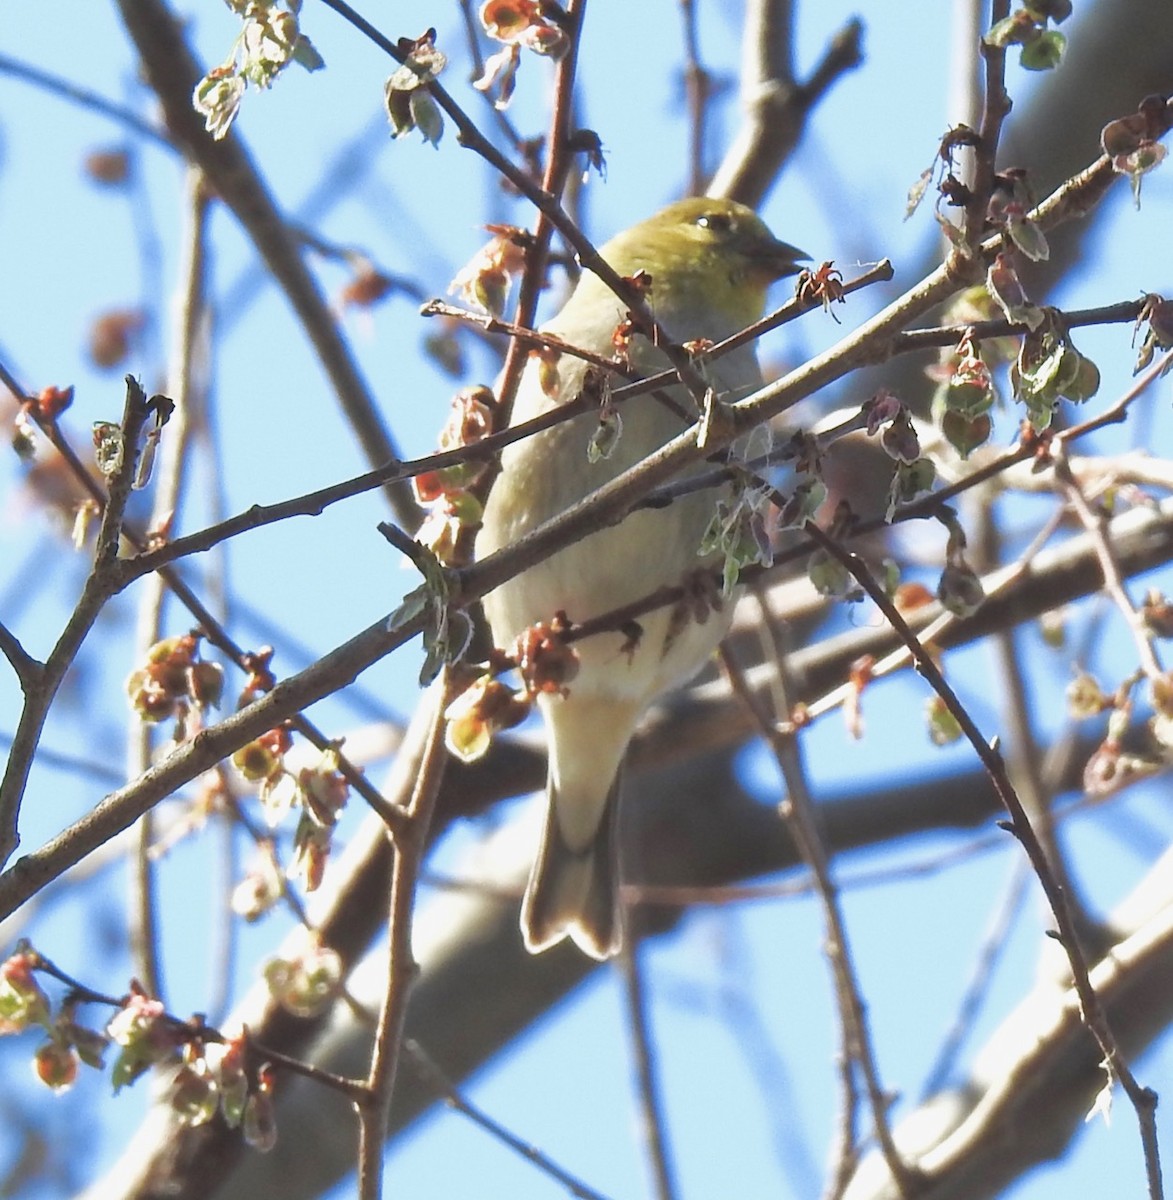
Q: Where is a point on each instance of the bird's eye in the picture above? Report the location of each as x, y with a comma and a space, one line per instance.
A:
718, 222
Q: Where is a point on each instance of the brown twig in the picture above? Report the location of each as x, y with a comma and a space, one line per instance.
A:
549, 207
173, 74
985, 151
799, 813
652, 1125
1143, 1099
1095, 524
119, 573
698, 87
168, 496
410, 843
95, 593
426, 1066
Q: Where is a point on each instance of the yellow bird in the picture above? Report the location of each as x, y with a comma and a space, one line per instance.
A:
710, 262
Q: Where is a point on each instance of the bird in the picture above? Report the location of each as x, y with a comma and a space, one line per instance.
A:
706, 264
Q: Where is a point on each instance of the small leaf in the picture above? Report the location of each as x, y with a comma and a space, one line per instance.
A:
414, 603
1028, 237
916, 193
305, 54
428, 117
605, 437
1045, 52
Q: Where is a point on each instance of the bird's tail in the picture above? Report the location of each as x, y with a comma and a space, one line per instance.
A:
574, 892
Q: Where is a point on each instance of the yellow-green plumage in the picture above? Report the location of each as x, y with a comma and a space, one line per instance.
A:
710, 262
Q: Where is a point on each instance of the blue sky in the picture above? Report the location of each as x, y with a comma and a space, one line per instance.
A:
71, 250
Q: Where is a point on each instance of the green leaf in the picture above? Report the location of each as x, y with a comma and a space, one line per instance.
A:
1045, 53
414, 603
428, 118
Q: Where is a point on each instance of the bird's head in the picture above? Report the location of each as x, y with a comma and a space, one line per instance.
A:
705, 254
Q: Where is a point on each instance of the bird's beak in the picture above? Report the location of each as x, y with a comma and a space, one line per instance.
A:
780, 259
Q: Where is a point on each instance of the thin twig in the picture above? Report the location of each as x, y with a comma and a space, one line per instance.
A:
985, 152
95, 593
1143, 1099
435, 1078
698, 86
1095, 524
173, 73
27, 668
993, 943
170, 475
652, 1125
799, 813
410, 843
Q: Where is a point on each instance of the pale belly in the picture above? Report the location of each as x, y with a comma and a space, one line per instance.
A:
614, 567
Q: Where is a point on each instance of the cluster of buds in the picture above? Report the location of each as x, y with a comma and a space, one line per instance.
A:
484, 281
24, 1004
408, 100
305, 983
1157, 317
446, 493
965, 391
1048, 369
1132, 142
269, 41
1041, 48
209, 1074
212, 1079
539, 26
173, 681
546, 662
319, 792
1010, 203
